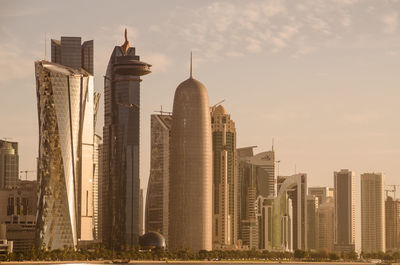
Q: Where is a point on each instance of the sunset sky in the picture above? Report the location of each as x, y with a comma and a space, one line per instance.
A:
320, 77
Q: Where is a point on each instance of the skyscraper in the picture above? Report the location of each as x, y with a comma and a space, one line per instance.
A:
344, 211
325, 231
312, 222
256, 178
9, 162
372, 212
225, 178
121, 182
392, 216
70, 52
294, 189
156, 212
321, 193
65, 160
190, 196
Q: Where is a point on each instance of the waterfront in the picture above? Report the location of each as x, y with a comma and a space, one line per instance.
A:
183, 262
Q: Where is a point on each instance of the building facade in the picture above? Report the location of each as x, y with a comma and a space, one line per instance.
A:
65, 160
325, 232
225, 179
312, 222
344, 200
373, 213
18, 214
121, 182
256, 177
71, 52
9, 164
321, 193
156, 213
392, 223
190, 194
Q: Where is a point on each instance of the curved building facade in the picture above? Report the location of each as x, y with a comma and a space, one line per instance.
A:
65, 163
190, 196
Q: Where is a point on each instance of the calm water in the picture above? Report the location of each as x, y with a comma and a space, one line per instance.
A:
191, 263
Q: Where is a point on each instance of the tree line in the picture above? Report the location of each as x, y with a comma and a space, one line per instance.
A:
99, 253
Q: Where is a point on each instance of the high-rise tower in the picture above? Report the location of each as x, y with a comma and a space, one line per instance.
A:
156, 212
392, 216
121, 183
225, 178
344, 211
190, 196
65, 163
8, 164
372, 212
69, 51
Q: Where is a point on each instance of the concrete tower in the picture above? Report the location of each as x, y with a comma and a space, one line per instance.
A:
190, 197
372, 212
225, 179
121, 182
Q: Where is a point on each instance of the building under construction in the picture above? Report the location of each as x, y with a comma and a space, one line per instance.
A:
392, 212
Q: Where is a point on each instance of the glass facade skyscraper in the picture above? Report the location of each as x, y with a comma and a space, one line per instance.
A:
121, 183
65, 161
156, 212
9, 162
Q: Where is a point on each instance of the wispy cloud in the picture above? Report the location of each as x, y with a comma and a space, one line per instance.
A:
160, 61
390, 22
226, 28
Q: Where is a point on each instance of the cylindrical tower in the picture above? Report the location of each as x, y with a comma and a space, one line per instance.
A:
190, 196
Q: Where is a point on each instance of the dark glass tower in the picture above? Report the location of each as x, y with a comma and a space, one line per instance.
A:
121, 183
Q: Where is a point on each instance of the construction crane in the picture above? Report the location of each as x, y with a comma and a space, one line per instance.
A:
26, 173
219, 103
392, 189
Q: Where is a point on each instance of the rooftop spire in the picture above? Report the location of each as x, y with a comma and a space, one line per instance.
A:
191, 65
125, 46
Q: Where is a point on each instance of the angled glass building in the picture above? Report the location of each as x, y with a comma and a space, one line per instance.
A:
156, 212
121, 183
65, 160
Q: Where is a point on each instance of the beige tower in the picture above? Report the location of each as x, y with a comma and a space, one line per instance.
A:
225, 180
190, 196
372, 212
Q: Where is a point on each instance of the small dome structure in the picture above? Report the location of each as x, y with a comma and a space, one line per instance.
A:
152, 240
220, 110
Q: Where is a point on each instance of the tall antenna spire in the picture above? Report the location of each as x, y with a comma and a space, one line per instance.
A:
191, 65
272, 144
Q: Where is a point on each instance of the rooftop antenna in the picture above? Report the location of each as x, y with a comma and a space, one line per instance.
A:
191, 65
272, 144
45, 48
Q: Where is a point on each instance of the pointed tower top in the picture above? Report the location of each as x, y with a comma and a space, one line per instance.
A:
125, 46
191, 65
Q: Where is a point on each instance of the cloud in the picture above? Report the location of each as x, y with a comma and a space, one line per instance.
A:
16, 62
390, 22
361, 117
160, 62
220, 27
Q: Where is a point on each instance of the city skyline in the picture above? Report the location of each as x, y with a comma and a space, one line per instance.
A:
280, 119
324, 88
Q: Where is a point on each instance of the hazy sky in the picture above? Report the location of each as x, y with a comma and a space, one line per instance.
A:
321, 77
